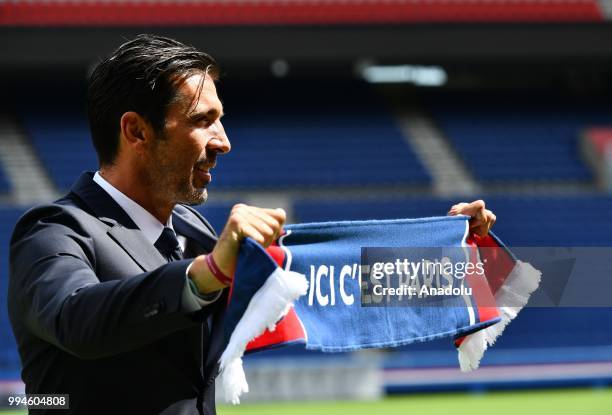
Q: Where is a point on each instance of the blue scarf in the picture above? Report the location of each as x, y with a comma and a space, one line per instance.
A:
329, 316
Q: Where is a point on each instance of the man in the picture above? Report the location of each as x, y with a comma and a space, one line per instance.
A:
117, 290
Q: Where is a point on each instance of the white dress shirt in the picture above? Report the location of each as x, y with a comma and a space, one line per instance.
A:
152, 230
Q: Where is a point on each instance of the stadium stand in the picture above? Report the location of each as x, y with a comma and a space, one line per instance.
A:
518, 137
61, 140
596, 146
54, 126
521, 220
331, 147
9, 360
63, 145
216, 214
318, 134
4, 182
317, 138
321, 154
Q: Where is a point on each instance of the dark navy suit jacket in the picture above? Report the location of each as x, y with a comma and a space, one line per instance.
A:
97, 311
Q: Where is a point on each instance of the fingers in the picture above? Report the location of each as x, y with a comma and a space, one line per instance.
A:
262, 225
259, 227
269, 222
455, 209
473, 209
482, 218
482, 226
491, 218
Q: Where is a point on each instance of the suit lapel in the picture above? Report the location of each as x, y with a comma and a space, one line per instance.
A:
138, 247
122, 229
194, 231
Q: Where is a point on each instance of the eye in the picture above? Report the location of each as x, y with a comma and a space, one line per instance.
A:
205, 119
200, 120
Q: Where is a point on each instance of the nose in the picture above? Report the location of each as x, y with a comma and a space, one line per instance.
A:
219, 143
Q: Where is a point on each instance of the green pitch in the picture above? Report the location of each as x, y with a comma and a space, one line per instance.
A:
556, 402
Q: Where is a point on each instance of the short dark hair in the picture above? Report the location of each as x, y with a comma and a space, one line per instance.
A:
141, 76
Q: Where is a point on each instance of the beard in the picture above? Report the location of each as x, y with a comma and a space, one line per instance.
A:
171, 179
190, 195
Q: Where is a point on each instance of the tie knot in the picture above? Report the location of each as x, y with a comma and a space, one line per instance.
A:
168, 245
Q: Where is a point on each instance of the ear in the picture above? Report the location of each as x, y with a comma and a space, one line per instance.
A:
135, 130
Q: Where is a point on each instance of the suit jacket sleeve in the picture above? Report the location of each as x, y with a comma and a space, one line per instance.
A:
58, 297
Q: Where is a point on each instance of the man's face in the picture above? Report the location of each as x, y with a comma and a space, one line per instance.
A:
180, 160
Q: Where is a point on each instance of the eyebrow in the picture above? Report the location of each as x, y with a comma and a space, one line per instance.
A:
198, 115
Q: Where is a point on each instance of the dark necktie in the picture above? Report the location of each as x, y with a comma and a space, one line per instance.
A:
168, 245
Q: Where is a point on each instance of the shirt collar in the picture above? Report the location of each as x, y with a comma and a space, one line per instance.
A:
147, 223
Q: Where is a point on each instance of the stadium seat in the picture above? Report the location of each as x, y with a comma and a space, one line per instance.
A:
293, 141
518, 137
312, 136
62, 142
521, 220
215, 213
9, 359
4, 182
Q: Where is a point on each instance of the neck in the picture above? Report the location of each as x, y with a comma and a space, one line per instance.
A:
140, 189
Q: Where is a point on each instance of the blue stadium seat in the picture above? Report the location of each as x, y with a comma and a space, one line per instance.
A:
317, 152
4, 182
522, 220
306, 136
215, 213
312, 135
62, 142
355, 209
9, 359
518, 137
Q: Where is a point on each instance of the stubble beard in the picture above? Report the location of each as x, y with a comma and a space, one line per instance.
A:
177, 189
171, 187
190, 195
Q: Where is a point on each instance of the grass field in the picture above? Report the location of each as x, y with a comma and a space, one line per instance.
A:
556, 402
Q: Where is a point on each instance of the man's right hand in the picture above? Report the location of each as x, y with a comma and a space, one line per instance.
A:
262, 225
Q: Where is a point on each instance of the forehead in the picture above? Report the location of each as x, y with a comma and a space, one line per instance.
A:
198, 93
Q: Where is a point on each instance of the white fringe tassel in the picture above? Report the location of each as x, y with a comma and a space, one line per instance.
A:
269, 304
510, 299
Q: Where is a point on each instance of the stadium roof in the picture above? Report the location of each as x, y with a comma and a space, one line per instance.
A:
294, 12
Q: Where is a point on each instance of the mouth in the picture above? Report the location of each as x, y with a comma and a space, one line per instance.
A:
202, 172
203, 175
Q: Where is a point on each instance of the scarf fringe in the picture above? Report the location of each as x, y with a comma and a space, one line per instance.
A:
511, 297
269, 304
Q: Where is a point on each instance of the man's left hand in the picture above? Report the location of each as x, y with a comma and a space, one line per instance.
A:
482, 219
